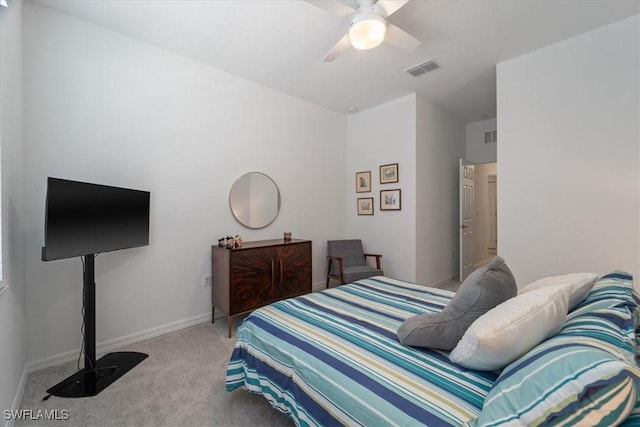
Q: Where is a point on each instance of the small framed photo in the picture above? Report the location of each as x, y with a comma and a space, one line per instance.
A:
390, 200
389, 173
365, 206
363, 182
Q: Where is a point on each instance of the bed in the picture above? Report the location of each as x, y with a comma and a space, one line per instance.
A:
333, 357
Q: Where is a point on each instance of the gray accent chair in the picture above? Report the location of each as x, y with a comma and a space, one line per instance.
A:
348, 262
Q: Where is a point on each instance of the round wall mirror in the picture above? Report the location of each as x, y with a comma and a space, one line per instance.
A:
254, 200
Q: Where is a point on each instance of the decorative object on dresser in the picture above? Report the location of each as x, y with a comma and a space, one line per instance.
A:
257, 274
230, 242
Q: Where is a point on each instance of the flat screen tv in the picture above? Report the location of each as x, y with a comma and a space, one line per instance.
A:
83, 218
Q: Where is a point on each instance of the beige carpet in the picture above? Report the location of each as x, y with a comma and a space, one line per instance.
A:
181, 383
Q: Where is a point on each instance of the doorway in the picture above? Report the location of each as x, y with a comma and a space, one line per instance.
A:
478, 216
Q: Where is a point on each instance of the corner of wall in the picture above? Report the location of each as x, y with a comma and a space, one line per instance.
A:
440, 143
13, 330
382, 135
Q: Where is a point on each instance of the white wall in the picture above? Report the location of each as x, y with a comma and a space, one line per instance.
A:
13, 325
440, 143
477, 150
426, 142
382, 135
105, 108
568, 158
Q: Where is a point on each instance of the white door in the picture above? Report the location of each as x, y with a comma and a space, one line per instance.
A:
466, 219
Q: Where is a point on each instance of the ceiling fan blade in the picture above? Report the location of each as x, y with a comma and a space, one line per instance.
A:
388, 7
399, 38
334, 7
339, 48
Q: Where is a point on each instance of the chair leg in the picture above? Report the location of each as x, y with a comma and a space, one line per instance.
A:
328, 278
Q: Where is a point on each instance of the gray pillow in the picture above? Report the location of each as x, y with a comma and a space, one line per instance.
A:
481, 291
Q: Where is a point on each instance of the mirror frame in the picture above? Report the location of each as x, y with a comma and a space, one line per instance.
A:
278, 202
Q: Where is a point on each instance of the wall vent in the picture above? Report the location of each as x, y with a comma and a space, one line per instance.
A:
491, 136
422, 68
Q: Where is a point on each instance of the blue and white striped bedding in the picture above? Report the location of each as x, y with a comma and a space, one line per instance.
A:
333, 358
586, 375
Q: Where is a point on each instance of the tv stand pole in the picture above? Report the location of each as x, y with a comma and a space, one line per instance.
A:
97, 374
88, 279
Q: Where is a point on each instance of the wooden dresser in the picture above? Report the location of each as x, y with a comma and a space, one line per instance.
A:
258, 273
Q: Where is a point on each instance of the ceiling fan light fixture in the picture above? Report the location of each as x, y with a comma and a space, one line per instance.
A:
367, 30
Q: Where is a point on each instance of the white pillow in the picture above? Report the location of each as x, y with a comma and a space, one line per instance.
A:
581, 284
511, 329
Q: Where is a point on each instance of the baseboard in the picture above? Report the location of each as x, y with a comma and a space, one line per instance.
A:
17, 400
483, 262
116, 343
439, 283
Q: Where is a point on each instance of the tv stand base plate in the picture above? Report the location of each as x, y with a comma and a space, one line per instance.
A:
90, 382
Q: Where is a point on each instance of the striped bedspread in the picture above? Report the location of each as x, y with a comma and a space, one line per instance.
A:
333, 358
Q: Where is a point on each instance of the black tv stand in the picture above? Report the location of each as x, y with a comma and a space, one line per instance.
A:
97, 374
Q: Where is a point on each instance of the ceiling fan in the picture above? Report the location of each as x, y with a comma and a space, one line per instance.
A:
367, 25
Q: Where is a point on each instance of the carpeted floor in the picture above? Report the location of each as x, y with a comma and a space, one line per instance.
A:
181, 383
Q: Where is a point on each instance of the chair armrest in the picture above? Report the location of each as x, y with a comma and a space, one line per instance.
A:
378, 256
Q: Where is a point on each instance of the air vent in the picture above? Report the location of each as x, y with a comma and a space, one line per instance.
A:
422, 68
491, 136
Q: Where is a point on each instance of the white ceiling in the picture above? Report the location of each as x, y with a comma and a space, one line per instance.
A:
281, 43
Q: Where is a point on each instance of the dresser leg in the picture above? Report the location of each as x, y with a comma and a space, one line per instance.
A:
213, 313
229, 325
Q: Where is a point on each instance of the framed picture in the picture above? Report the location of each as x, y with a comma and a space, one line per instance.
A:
389, 173
363, 182
365, 206
390, 200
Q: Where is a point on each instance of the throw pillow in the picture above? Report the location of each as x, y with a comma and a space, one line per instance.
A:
482, 290
512, 328
581, 284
